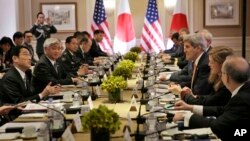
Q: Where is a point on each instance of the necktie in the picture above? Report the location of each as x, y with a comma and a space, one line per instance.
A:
25, 80
194, 71
55, 67
3, 57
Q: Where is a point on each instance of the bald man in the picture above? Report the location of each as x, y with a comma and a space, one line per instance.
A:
236, 114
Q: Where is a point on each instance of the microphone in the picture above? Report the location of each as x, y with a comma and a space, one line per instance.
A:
141, 119
56, 133
142, 135
145, 101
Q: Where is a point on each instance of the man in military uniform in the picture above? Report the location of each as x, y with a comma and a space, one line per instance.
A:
71, 63
42, 30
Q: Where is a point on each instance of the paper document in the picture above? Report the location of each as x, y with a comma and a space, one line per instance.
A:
33, 106
20, 124
33, 115
8, 136
198, 131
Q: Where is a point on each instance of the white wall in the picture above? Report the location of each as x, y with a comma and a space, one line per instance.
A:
8, 24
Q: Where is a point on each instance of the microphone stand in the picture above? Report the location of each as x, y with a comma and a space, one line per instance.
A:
139, 136
56, 133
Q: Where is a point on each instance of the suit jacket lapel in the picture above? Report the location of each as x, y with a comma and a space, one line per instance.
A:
52, 67
198, 65
20, 81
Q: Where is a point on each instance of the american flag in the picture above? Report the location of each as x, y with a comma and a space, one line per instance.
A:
152, 37
99, 22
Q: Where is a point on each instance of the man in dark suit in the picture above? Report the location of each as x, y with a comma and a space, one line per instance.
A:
27, 42
194, 48
232, 117
84, 51
49, 69
18, 38
71, 63
95, 49
16, 86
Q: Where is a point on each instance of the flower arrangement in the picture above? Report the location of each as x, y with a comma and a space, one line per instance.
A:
113, 83
101, 118
127, 64
131, 56
124, 69
136, 49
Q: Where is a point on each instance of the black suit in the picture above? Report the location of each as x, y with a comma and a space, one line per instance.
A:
183, 75
235, 115
218, 98
178, 53
95, 50
44, 72
86, 57
13, 88
200, 85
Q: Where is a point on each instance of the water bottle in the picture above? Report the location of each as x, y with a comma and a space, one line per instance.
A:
151, 133
58, 119
76, 101
43, 133
85, 91
95, 77
50, 112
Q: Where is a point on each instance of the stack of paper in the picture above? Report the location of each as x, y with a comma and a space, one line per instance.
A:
20, 124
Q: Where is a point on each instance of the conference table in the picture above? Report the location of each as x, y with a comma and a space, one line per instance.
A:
121, 108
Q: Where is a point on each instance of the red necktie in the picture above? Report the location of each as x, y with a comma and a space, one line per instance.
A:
193, 73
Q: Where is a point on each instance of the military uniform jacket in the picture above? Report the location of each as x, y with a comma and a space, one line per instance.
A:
70, 62
42, 32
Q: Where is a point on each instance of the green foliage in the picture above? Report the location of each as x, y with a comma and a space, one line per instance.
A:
127, 64
114, 82
124, 69
101, 118
131, 56
136, 49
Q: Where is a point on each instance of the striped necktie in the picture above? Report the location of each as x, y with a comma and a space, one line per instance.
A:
193, 74
55, 67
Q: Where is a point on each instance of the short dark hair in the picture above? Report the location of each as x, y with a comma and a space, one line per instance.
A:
6, 40
77, 33
86, 33
27, 31
39, 14
84, 40
69, 39
98, 31
15, 51
17, 34
175, 36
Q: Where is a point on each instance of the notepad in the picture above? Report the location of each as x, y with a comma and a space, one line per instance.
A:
9, 136
199, 131
20, 124
33, 115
